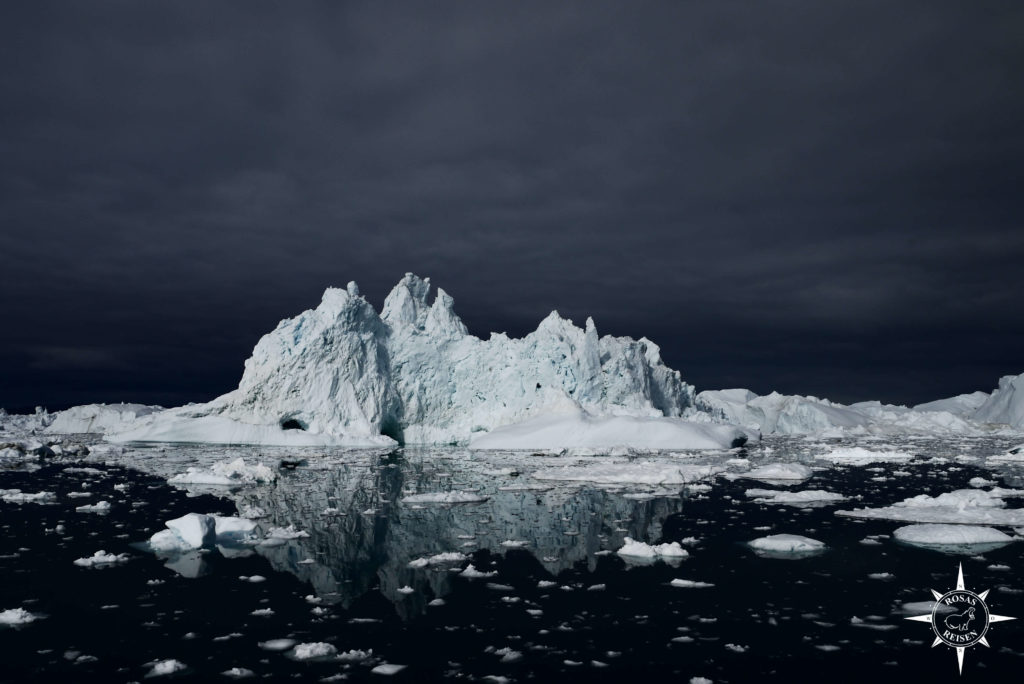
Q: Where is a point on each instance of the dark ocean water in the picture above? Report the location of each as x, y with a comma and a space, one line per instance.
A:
604, 618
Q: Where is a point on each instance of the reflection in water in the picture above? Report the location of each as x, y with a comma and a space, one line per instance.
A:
362, 536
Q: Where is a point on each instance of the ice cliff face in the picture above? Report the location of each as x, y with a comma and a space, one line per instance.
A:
1006, 403
344, 374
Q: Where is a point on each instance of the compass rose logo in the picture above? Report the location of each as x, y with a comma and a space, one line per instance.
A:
967, 625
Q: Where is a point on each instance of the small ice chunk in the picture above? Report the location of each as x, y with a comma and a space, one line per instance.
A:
690, 584
98, 507
858, 456
17, 616
786, 543
387, 669
779, 471
166, 667
638, 549
316, 649
102, 558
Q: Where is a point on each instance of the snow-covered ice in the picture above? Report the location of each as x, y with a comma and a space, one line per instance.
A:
786, 544
16, 616
809, 496
638, 549
859, 456
779, 471
960, 507
102, 558
343, 374
950, 535
226, 473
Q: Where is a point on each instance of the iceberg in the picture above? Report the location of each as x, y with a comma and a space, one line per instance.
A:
344, 374
782, 414
1006, 403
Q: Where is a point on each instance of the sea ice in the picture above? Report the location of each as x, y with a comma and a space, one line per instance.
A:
690, 584
810, 496
19, 497
102, 558
960, 507
639, 549
950, 535
226, 473
779, 471
17, 616
786, 544
858, 456
166, 667
317, 649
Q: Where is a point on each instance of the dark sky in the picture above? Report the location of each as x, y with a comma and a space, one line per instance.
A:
815, 197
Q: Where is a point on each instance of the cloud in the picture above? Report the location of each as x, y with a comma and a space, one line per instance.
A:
727, 176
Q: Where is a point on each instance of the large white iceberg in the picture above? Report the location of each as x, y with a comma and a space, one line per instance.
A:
950, 535
343, 374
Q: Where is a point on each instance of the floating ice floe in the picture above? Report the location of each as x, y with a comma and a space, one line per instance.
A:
960, 507
1011, 455
444, 498
779, 471
858, 456
198, 530
19, 497
970, 539
786, 545
638, 549
690, 584
636, 472
314, 650
804, 498
102, 558
277, 644
17, 616
166, 667
238, 673
98, 507
226, 473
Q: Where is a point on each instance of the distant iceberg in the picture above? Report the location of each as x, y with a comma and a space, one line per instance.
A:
973, 414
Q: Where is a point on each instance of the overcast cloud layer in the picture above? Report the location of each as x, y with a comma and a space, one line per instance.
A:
814, 197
